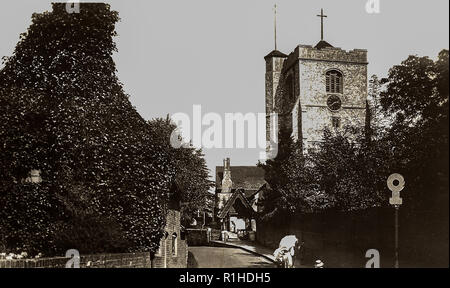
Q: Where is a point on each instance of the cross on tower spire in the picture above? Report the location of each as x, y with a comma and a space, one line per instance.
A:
321, 23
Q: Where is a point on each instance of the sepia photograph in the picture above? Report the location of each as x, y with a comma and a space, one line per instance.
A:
281, 134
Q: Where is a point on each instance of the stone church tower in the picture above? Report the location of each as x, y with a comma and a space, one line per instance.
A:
314, 88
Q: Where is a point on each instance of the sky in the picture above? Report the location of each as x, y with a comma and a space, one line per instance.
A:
173, 54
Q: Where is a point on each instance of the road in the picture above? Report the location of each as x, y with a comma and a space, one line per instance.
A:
220, 257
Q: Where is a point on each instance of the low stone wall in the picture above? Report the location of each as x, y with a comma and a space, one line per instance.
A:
170, 254
170, 260
123, 260
198, 237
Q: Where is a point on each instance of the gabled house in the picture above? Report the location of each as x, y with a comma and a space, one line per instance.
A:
237, 196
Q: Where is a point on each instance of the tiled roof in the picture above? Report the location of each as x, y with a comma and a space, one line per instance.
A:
229, 205
249, 178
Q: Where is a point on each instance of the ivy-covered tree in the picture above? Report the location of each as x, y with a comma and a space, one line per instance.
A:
64, 112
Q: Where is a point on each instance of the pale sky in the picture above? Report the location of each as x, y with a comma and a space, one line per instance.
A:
173, 54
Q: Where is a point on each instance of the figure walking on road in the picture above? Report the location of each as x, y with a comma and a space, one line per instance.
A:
286, 252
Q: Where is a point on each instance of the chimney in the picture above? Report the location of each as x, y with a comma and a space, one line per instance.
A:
226, 182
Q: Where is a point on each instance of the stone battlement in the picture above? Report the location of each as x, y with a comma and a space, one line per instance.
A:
334, 54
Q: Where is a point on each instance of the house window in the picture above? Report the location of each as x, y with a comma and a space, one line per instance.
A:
334, 81
174, 244
335, 122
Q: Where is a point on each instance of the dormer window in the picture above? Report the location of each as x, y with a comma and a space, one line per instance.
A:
334, 81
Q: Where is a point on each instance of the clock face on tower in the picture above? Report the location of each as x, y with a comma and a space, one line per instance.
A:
334, 102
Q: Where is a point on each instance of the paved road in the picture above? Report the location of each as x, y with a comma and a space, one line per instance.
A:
220, 257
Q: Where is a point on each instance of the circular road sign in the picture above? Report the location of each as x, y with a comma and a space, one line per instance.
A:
396, 182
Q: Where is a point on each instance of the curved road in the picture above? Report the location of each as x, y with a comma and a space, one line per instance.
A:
221, 257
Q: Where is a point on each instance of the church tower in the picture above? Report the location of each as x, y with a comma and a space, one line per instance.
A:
227, 185
274, 67
317, 88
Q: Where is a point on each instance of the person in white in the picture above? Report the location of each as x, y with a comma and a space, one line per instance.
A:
319, 264
285, 253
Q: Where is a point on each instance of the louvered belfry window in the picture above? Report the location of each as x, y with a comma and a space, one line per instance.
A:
334, 82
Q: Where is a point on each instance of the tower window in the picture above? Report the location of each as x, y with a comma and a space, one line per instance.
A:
334, 81
335, 122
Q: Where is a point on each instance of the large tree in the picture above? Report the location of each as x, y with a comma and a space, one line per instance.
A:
350, 171
64, 112
191, 173
343, 173
416, 93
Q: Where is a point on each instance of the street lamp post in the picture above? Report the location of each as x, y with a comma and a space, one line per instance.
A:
396, 183
397, 207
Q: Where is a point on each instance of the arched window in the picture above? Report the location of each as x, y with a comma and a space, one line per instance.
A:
334, 83
174, 244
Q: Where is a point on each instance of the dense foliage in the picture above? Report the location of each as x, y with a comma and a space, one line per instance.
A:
191, 174
416, 94
106, 172
407, 133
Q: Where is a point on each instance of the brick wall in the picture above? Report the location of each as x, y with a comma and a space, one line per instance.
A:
198, 237
165, 258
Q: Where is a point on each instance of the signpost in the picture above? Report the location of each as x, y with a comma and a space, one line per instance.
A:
396, 183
